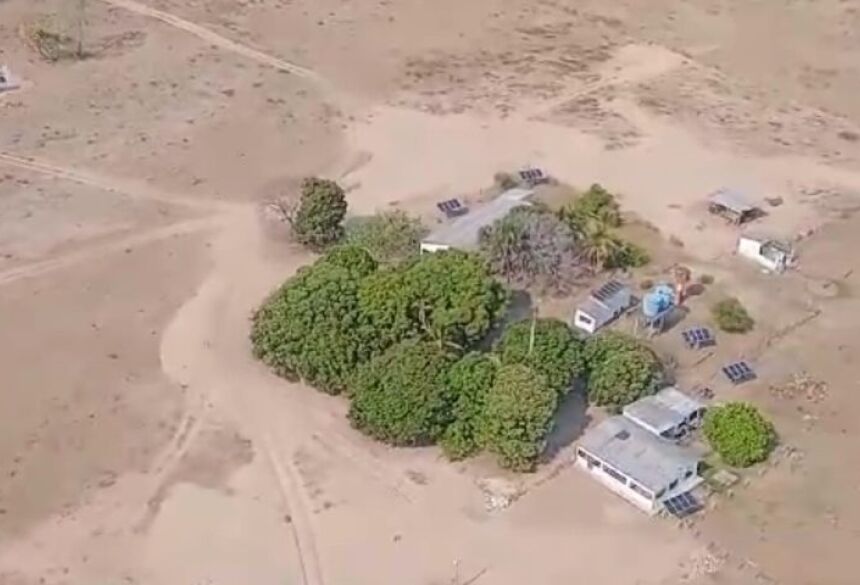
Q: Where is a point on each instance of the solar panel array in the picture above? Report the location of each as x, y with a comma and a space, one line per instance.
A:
451, 207
682, 505
532, 176
607, 291
738, 372
698, 337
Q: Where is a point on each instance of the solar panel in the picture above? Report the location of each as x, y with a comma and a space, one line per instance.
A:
698, 337
682, 505
738, 372
532, 176
607, 291
451, 207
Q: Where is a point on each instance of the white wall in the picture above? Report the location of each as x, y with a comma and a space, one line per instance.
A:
430, 247
644, 504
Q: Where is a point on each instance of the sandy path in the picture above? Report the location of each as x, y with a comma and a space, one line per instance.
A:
220, 41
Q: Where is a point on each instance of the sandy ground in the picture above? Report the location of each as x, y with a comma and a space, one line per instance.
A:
140, 443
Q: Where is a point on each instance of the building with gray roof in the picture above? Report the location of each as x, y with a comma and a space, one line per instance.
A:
634, 463
669, 413
464, 232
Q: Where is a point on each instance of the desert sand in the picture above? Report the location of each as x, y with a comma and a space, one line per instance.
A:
141, 443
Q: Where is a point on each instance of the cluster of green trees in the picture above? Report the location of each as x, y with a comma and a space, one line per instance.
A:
594, 217
739, 433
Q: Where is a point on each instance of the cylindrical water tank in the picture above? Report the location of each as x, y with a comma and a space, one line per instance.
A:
658, 300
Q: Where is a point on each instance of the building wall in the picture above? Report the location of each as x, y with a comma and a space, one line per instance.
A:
430, 247
647, 505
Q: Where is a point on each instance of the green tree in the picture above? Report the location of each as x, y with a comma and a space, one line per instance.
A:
620, 369
447, 297
518, 416
390, 236
600, 246
732, 317
318, 220
595, 205
469, 380
548, 346
739, 434
312, 328
401, 397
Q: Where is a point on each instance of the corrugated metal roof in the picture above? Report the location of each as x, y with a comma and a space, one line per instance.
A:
598, 311
650, 461
463, 232
662, 411
733, 200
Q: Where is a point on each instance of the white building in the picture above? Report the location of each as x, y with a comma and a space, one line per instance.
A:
649, 472
602, 306
464, 232
669, 414
771, 254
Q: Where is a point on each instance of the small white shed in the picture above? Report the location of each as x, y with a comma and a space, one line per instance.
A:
602, 306
769, 253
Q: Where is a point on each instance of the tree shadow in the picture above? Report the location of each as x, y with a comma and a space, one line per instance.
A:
520, 307
571, 420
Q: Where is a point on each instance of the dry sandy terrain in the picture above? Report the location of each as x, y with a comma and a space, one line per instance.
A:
140, 442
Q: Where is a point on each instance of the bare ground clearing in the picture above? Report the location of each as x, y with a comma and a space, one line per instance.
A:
140, 441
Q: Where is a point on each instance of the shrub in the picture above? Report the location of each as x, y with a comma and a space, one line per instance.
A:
448, 297
706, 279
556, 353
739, 434
533, 247
469, 380
596, 204
390, 237
312, 328
518, 416
628, 255
732, 317
620, 369
401, 397
317, 222
505, 180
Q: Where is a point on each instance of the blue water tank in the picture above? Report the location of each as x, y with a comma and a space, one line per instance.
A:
658, 300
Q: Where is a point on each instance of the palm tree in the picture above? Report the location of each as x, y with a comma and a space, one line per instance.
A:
598, 244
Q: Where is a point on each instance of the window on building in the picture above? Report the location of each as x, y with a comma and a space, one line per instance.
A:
688, 473
641, 490
673, 485
619, 477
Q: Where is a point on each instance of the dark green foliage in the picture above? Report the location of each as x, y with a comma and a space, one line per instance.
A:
739, 434
446, 297
505, 181
556, 353
318, 220
532, 246
621, 369
401, 397
353, 258
390, 237
732, 317
629, 255
469, 380
518, 417
312, 327
596, 204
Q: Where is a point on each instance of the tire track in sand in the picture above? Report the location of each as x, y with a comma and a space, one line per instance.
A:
220, 41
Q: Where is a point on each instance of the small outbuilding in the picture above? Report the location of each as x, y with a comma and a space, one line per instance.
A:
464, 232
669, 414
647, 471
602, 306
732, 205
774, 255
7, 81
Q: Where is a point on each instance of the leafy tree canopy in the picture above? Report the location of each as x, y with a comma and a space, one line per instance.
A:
533, 247
595, 205
447, 297
469, 380
312, 327
620, 369
318, 221
518, 416
732, 317
401, 397
556, 352
390, 236
739, 434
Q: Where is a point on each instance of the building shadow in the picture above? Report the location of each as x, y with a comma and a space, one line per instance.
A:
571, 420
